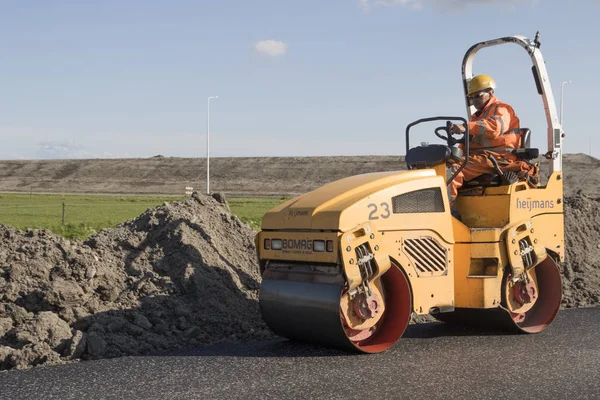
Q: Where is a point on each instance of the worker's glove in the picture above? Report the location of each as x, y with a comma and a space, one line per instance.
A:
457, 129
509, 177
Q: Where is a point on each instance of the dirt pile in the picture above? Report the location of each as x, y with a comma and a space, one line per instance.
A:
581, 270
180, 275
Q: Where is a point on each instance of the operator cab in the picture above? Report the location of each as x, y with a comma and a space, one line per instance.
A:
449, 157
506, 189
524, 154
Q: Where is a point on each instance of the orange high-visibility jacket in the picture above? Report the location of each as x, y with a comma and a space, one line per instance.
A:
495, 128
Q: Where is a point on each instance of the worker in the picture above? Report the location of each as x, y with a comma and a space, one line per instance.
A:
493, 130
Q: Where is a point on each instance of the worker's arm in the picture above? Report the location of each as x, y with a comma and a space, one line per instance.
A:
493, 126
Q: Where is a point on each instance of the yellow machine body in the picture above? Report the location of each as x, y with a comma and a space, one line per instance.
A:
359, 210
448, 264
347, 264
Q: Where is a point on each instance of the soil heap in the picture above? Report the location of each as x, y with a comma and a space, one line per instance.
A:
183, 274
581, 270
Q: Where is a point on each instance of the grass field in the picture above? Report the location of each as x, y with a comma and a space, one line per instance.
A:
86, 215
251, 210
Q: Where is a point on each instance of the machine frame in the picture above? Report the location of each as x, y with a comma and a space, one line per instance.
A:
348, 263
555, 132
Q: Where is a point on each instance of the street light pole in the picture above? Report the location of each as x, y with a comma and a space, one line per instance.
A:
208, 145
562, 87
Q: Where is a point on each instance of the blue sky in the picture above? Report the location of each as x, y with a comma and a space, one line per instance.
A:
130, 78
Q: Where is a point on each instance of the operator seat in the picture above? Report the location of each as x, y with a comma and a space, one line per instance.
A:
524, 154
431, 155
525, 138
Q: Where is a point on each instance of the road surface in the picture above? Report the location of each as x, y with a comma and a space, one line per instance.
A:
431, 361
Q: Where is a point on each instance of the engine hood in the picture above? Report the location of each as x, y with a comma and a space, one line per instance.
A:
329, 207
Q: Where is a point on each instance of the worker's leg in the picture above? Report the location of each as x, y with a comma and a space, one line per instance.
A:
521, 168
476, 166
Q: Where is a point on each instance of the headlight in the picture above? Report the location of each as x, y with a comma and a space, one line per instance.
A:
318, 245
276, 244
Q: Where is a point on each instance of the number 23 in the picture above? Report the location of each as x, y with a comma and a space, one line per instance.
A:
373, 207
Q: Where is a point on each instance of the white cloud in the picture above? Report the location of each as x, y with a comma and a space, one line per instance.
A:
64, 150
366, 5
273, 48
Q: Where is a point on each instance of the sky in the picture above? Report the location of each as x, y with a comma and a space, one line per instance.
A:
131, 78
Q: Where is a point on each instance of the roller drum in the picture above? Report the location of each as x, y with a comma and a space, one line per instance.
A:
304, 311
535, 319
311, 312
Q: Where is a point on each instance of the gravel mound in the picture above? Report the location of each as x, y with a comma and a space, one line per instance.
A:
581, 270
183, 274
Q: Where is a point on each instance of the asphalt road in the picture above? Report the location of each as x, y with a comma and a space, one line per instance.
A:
431, 361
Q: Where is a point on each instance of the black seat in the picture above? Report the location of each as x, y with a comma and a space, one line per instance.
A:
429, 156
525, 138
524, 153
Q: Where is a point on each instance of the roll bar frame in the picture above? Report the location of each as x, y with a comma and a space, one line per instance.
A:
555, 131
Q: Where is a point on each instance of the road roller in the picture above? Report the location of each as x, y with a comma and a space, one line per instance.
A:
349, 263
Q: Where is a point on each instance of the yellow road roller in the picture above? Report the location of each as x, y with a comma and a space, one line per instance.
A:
347, 264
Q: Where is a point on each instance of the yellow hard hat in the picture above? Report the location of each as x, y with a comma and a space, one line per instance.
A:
479, 83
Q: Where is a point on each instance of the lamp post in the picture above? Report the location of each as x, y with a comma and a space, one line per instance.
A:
208, 145
562, 87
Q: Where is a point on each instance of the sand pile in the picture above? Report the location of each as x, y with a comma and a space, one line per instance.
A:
581, 270
180, 275
183, 274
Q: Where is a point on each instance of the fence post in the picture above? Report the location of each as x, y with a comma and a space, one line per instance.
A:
63, 212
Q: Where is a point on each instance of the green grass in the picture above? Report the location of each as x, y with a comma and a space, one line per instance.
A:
251, 210
86, 215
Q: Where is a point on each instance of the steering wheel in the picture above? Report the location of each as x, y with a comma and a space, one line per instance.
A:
441, 136
448, 136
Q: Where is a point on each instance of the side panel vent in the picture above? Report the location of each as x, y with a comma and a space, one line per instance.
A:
428, 255
420, 201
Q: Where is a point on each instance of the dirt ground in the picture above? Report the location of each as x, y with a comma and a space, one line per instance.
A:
185, 274
260, 176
